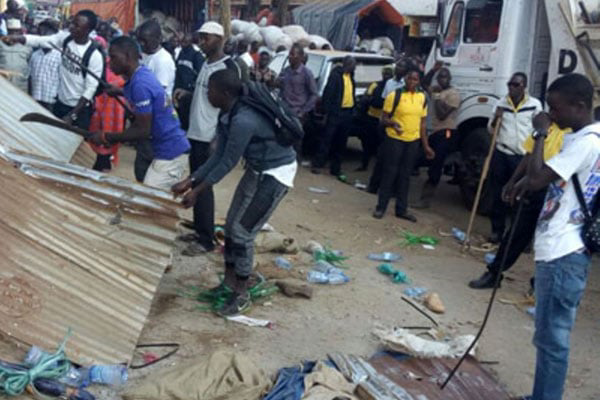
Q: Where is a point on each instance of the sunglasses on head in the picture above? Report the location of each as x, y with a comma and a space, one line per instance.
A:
513, 84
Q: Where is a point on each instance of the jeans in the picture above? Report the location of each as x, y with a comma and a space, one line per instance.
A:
333, 142
524, 232
84, 117
255, 199
502, 168
204, 209
398, 160
559, 286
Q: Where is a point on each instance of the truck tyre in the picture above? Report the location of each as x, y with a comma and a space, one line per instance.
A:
474, 149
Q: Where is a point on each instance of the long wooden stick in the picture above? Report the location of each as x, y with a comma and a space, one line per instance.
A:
43, 119
484, 173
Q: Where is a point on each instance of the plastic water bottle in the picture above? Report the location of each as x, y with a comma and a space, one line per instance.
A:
489, 258
385, 256
113, 375
317, 277
338, 279
281, 262
459, 235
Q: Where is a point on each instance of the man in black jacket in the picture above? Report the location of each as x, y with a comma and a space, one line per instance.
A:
338, 101
189, 61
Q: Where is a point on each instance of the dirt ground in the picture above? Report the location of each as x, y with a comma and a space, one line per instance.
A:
341, 318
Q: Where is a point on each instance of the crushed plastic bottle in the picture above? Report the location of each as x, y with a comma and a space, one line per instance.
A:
113, 375
385, 256
489, 258
415, 292
317, 277
459, 235
283, 263
324, 272
73, 377
327, 268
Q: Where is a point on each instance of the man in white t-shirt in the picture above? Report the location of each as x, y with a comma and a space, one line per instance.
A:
561, 257
161, 63
202, 131
76, 87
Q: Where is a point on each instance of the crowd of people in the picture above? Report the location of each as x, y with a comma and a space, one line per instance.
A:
180, 104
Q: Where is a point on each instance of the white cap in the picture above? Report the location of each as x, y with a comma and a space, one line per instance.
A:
13, 24
212, 28
264, 49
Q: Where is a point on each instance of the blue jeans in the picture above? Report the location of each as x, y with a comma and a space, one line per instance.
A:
559, 286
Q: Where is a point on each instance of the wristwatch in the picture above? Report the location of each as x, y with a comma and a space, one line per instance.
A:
539, 134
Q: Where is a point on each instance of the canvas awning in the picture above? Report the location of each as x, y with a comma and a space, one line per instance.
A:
384, 10
123, 10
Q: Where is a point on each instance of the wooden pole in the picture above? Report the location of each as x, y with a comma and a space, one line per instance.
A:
226, 16
484, 173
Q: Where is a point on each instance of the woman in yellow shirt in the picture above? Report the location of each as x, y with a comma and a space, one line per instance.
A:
404, 121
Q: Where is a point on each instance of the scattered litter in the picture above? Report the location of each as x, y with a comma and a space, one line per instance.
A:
401, 340
433, 302
415, 292
275, 242
459, 235
411, 239
267, 228
312, 247
331, 256
385, 256
428, 247
530, 311
295, 288
326, 273
489, 258
359, 185
343, 178
242, 319
396, 275
149, 357
283, 263
319, 190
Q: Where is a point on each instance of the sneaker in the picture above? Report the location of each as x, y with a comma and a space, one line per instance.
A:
378, 214
195, 249
485, 281
236, 304
406, 216
188, 238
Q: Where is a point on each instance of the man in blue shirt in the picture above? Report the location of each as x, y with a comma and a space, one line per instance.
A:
154, 117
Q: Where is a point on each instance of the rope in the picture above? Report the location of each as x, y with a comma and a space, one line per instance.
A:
14, 379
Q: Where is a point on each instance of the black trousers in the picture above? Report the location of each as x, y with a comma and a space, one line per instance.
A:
502, 168
204, 209
144, 154
441, 142
84, 117
370, 138
398, 161
332, 144
524, 232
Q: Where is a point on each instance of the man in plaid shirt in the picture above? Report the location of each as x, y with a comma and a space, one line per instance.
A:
44, 65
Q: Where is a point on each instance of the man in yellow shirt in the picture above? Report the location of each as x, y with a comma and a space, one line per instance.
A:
527, 222
370, 135
404, 112
338, 102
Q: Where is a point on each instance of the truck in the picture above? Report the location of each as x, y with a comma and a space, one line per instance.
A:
483, 42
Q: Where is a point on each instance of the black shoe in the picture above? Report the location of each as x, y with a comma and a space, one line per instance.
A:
486, 281
406, 216
236, 303
378, 214
495, 238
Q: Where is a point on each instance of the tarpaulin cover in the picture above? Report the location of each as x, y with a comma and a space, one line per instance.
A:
335, 20
124, 10
384, 10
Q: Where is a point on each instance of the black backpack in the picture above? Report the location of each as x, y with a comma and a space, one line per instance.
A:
85, 61
288, 128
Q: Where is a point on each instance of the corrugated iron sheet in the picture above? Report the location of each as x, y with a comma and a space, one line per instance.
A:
421, 378
79, 250
33, 138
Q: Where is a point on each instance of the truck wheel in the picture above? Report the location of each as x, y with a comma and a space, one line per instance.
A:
474, 149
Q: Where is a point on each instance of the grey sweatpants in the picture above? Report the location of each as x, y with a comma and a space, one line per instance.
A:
255, 199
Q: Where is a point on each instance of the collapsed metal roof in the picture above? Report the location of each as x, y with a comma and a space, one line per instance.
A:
79, 249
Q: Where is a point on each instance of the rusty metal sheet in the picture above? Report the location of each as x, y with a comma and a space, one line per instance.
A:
33, 138
79, 250
422, 378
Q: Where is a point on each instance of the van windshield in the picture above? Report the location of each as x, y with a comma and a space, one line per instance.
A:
452, 35
482, 23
